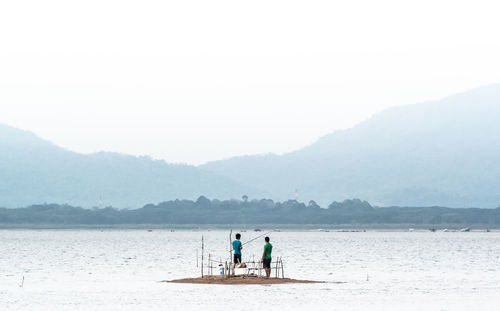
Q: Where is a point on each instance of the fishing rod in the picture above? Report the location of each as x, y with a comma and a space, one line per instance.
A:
256, 238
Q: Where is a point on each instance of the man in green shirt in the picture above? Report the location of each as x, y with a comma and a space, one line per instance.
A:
266, 257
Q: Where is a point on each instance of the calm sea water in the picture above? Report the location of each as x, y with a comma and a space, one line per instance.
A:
121, 270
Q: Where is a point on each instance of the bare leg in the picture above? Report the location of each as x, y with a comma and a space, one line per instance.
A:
234, 264
268, 272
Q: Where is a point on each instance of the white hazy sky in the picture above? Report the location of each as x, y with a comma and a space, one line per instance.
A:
193, 81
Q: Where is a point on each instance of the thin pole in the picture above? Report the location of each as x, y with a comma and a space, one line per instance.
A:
253, 259
209, 265
196, 258
282, 270
202, 256
227, 272
276, 268
230, 245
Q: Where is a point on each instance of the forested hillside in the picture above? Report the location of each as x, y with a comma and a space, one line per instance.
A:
444, 152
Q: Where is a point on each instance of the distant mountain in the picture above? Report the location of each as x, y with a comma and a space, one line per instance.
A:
34, 171
444, 152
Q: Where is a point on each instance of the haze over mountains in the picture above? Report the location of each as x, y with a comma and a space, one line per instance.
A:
443, 152
34, 170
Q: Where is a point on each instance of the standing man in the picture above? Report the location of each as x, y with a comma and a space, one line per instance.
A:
237, 247
266, 257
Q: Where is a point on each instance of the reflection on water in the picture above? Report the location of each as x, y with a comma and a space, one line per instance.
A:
120, 270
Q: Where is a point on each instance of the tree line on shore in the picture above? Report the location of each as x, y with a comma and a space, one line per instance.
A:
265, 211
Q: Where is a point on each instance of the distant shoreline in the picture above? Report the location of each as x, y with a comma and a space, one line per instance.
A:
262, 227
204, 213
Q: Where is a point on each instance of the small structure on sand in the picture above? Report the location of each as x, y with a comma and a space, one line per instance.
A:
221, 272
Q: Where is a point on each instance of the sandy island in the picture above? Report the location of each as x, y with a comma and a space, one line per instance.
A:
239, 280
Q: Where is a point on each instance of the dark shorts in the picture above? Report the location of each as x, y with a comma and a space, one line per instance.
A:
237, 258
266, 263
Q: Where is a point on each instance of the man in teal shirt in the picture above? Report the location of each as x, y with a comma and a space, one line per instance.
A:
266, 257
237, 247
